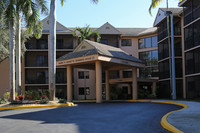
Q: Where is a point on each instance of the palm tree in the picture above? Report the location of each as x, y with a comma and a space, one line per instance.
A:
30, 15
8, 11
86, 33
52, 48
154, 4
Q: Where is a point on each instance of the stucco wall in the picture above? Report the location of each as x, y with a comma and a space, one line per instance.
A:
4, 77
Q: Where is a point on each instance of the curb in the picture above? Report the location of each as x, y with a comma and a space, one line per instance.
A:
165, 124
37, 106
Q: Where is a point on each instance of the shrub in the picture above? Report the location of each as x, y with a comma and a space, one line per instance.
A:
62, 101
32, 95
15, 102
44, 101
7, 95
20, 97
3, 100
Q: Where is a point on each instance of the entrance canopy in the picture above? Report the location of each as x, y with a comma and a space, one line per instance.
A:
99, 57
88, 52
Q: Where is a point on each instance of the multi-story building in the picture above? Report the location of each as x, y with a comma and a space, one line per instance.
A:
138, 42
191, 51
164, 60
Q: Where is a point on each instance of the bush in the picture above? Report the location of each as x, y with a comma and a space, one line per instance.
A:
7, 95
62, 101
44, 101
20, 97
32, 95
3, 100
16, 102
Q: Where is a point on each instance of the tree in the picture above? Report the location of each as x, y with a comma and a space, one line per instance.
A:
31, 16
8, 11
154, 4
52, 48
86, 33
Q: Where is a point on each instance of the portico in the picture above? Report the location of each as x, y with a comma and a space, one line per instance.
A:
99, 57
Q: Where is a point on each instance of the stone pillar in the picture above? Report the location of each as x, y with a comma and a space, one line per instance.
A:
107, 86
154, 88
134, 83
98, 82
69, 83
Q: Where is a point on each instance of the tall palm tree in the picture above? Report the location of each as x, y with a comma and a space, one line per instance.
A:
30, 15
8, 11
52, 48
86, 33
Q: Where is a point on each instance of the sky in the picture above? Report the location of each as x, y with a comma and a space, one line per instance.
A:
119, 13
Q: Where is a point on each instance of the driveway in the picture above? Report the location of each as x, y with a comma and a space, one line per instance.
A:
87, 118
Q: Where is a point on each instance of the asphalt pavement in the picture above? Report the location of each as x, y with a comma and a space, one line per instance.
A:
87, 118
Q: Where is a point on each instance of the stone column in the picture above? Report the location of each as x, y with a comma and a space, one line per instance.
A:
154, 88
107, 86
98, 82
69, 83
134, 83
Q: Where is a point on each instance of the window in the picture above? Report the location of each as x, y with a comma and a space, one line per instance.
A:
114, 74
41, 60
81, 74
150, 57
126, 42
82, 91
59, 43
42, 44
103, 41
127, 74
148, 42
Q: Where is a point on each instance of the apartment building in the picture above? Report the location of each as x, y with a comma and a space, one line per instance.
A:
138, 42
191, 50
164, 48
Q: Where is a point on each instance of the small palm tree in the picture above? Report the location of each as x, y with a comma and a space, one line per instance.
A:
86, 33
52, 48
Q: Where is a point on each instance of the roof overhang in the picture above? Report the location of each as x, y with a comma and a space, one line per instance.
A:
182, 3
107, 62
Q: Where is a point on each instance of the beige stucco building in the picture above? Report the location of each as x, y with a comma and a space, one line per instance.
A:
137, 42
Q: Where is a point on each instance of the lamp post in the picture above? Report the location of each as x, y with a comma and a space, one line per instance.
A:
171, 55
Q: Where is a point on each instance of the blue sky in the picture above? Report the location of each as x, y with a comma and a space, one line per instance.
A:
119, 13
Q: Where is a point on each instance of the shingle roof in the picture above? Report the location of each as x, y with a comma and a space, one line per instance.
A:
100, 49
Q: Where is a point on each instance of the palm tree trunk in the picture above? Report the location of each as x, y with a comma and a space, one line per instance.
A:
52, 51
12, 59
18, 56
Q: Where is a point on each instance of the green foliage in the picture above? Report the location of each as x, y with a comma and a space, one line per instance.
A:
62, 101
16, 102
3, 100
86, 33
7, 95
32, 95
44, 100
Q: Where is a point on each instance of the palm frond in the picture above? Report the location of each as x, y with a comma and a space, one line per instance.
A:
154, 4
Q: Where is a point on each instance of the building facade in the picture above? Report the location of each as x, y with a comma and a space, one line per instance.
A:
35, 62
164, 52
191, 51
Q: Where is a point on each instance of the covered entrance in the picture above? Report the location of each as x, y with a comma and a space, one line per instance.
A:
99, 57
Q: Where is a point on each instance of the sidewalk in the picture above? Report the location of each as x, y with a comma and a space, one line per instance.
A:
187, 120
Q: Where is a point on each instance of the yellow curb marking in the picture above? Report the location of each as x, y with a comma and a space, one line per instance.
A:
165, 124
37, 106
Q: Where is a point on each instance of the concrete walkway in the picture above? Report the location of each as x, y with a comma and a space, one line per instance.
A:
187, 120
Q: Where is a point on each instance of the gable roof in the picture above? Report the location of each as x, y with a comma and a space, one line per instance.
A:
107, 28
100, 49
60, 29
161, 14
